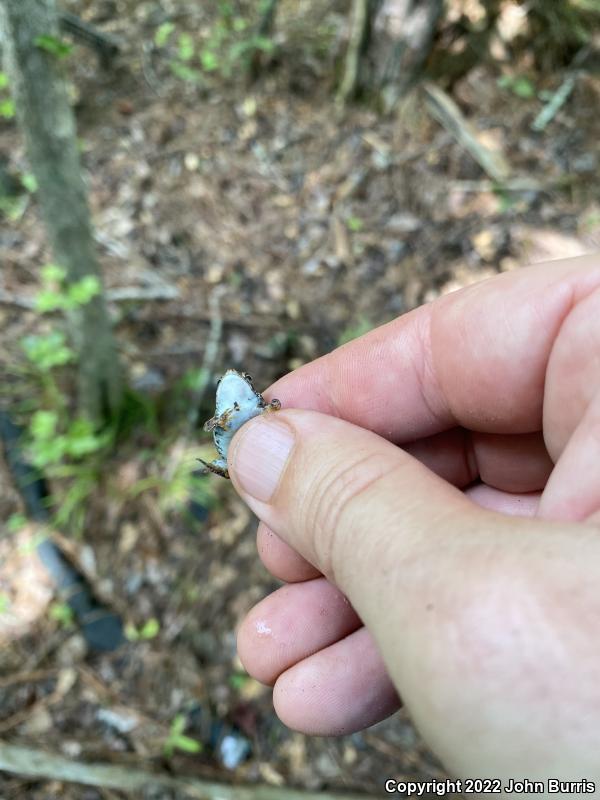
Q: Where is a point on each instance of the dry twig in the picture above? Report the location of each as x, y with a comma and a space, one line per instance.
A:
123, 294
448, 114
40, 764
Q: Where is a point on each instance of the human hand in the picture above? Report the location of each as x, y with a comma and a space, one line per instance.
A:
444, 477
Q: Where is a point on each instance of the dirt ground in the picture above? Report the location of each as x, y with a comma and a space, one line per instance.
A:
309, 227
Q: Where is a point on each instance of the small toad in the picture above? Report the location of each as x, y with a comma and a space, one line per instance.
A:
237, 402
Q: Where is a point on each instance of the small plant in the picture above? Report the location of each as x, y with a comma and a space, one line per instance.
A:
56, 294
183, 53
229, 44
53, 45
62, 613
519, 85
7, 107
57, 442
163, 33
238, 680
29, 182
354, 224
177, 740
149, 630
16, 522
14, 201
51, 447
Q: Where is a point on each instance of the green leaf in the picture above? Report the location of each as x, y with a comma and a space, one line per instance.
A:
163, 33
177, 740
81, 427
239, 24
195, 378
186, 47
263, 43
3, 80
150, 629
519, 85
178, 725
209, 60
7, 109
53, 273
225, 8
46, 352
81, 292
61, 613
53, 45
29, 182
354, 224
184, 72
83, 445
82, 439
14, 207
48, 451
48, 300
238, 681
523, 88
245, 48
4, 602
43, 424
187, 744
131, 632
16, 522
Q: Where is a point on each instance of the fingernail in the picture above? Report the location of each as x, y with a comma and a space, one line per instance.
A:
260, 454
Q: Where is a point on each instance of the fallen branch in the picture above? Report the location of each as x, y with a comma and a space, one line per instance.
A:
127, 294
124, 294
105, 45
449, 115
32, 763
517, 184
556, 102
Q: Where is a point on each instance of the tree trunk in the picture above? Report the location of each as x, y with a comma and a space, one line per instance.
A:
48, 126
393, 39
402, 35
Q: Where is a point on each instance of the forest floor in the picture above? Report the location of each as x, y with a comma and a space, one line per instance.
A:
308, 227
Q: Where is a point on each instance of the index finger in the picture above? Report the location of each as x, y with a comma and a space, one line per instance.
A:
475, 358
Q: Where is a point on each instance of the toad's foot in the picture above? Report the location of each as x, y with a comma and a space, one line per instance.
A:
274, 405
219, 467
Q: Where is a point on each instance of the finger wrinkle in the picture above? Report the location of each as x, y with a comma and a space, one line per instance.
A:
329, 502
430, 388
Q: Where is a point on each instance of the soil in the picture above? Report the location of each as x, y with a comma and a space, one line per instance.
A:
308, 226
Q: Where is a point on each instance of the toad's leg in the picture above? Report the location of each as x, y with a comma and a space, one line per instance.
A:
219, 467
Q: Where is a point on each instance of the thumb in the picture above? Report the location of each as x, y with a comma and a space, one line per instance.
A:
340, 495
470, 609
